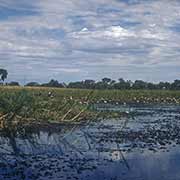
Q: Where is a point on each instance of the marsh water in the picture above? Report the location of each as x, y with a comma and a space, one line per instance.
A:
143, 144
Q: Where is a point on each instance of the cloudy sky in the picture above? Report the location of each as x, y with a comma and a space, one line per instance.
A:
71, 40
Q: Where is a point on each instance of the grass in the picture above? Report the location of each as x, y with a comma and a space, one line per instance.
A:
128, 96
36, 104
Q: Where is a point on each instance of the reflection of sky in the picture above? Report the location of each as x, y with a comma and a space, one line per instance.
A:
148, 166
160, 165
85, 142
70, 40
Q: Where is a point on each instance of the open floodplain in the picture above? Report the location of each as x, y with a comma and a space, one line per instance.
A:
87, 135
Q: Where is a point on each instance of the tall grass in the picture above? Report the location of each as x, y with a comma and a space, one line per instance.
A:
35, 104
14, 107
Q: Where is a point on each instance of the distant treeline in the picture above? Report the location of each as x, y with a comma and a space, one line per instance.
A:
106, 83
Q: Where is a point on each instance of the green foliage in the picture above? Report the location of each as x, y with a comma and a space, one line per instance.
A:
15, 109
19, 103
65, 104
107, 83
3, 74
33, 84
13, 83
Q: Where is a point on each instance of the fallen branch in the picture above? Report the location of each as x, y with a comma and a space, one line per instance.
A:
65, 115
3, 116
75, 117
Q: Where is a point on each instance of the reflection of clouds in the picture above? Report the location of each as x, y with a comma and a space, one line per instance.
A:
116, 156
155, 165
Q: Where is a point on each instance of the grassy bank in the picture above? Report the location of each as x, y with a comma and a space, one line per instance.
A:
52, 104
121, 96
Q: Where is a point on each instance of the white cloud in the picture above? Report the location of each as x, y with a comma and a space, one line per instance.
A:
117, 32
66, 70
85, 34
110, 32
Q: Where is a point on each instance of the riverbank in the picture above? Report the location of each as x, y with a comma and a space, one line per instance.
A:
74, 105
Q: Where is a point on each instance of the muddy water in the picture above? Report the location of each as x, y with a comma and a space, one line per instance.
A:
142, 145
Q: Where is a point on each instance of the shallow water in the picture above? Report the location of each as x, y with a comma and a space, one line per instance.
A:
142, 145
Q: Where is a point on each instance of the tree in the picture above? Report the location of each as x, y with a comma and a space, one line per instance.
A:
175, 85
112, 83
139, 84
151, 86
32, 84
100, 85
164, 85
122, 84
53, 83
121, 80
3, 74
89, 84
106, 83
106, 80
13, 83
78, 84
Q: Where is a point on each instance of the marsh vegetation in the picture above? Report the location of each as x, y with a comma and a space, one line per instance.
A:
51, 133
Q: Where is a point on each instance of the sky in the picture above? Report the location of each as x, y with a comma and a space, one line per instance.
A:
71, 40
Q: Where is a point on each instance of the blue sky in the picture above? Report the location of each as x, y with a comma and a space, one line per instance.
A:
76, 39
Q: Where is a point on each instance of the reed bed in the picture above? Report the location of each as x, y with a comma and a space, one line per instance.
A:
71, 105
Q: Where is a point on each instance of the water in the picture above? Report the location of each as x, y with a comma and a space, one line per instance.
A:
142, 145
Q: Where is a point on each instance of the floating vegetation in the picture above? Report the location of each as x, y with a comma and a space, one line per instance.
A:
120, 148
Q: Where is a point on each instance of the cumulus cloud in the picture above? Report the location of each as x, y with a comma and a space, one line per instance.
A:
110, 32
89, 39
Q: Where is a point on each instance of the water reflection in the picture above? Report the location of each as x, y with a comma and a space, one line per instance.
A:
142, 146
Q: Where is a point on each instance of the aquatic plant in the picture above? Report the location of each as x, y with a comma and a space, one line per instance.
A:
70, 105
14, 107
